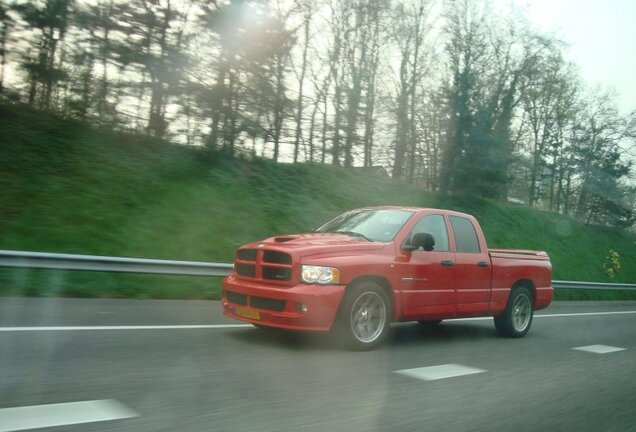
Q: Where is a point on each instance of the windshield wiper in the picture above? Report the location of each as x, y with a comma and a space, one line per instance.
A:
354, 234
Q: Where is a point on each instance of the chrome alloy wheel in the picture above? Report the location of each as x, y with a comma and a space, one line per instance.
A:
521, 313
368, 317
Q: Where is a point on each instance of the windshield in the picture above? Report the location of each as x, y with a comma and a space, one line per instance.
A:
374, 225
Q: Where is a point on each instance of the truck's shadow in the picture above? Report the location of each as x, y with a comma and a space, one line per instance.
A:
287, 339
414, 334
401, 335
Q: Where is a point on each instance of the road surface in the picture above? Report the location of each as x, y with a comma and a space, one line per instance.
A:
154, 365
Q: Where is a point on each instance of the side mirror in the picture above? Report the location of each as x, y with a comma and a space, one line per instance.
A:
424, 240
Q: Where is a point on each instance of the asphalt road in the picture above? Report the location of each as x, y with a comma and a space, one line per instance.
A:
218, 378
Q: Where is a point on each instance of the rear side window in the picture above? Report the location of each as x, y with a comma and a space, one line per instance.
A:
465, 235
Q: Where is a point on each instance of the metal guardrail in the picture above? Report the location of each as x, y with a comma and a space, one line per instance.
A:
56, 261
591, 285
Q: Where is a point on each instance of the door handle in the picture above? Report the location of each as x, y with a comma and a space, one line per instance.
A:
448, 263
482, 264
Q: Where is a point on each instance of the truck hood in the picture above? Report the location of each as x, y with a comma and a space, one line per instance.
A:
302, 245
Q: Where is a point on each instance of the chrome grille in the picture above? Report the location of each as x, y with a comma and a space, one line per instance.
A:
266, 265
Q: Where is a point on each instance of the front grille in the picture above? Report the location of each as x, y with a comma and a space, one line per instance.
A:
246, 254
277, 273
264, 265
275, 257
267, 303
236, 298
248, 270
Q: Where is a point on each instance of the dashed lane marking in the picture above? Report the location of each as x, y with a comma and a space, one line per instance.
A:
62, 414
599, 349
431, 373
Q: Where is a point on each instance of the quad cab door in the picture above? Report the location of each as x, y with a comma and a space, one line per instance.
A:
472, 268
427, 277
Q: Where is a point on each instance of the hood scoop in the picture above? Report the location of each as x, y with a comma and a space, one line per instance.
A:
285, 239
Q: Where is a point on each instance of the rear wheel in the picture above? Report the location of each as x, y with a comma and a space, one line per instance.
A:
517, 318
364, 317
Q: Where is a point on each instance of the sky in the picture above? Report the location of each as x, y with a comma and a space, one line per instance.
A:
601, 35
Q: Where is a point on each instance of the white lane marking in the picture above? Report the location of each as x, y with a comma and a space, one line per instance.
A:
431, 373
62, 414
228, 326
599, 349
586, 314
148, 327
578, 314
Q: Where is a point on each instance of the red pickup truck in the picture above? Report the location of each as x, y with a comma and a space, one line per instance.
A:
368, 267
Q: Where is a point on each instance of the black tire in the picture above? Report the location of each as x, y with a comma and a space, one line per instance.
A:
430, 323
364, 317
517, 318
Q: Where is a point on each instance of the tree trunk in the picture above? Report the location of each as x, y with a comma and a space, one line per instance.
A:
335, 150
279, 107
301, 81
217, 107
401, 139
353, 106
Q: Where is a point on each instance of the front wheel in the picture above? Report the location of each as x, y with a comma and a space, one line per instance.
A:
364, 317
517, 318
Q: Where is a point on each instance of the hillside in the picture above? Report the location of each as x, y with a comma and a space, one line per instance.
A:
68, 187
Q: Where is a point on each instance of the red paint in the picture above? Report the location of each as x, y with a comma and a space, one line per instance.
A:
421, 287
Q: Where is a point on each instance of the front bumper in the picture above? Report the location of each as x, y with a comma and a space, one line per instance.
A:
280, 306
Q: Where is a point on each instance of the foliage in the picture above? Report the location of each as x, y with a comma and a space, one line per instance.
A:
454, 97
72, 188
612, 264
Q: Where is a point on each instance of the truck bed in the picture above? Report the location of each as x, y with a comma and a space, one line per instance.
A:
519, 254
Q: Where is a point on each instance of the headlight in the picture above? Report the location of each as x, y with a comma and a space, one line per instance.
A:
319, 274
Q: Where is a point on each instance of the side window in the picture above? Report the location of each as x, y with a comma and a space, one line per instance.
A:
435, 225
465, 235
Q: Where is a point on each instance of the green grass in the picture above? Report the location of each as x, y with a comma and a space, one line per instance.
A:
68, 187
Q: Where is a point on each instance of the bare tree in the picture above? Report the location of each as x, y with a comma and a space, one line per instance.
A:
409, 37
6, 25
50, 21
466, 50
307, 8
598, 134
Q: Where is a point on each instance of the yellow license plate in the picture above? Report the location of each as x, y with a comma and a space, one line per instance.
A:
249, 314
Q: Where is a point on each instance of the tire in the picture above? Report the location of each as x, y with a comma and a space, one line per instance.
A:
364, 317
517, 318
430, 323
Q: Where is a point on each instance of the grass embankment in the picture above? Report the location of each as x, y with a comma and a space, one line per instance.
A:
68, 187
